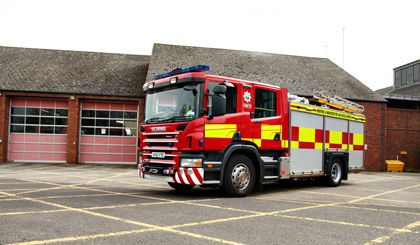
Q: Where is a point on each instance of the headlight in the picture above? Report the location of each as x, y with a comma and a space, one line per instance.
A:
191, 163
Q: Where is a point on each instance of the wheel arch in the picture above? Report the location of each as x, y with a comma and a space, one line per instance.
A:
249, 151
329, 158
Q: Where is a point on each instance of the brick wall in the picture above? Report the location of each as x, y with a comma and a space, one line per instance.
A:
73, 118
373, 135
73, 130
4, 122
403, 134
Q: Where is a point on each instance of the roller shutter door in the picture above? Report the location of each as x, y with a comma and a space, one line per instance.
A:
38, 130
108, 132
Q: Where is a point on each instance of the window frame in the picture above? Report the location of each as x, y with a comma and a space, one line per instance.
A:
235, 97
40, 127
127, 118
274, 110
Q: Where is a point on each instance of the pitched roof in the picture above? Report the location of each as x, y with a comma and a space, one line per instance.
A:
58, 71
409, 92
385, 90
301, 75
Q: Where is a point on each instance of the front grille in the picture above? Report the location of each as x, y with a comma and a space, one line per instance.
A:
160, 142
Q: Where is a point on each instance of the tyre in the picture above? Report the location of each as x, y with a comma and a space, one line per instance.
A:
180, 187
239, 177
334, 173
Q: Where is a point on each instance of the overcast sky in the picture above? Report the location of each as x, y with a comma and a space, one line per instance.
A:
378, 35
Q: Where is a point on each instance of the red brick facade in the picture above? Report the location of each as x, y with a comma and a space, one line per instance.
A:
374, 160
73, 118
4, 122
402, 130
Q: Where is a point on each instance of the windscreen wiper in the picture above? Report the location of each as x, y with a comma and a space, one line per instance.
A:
179, 118
156, 119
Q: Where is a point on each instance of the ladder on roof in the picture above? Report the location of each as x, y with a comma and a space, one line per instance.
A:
338, 102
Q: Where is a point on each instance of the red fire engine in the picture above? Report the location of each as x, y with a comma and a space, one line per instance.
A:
208, 130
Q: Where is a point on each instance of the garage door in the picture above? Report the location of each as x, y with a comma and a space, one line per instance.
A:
38, 130
108, 132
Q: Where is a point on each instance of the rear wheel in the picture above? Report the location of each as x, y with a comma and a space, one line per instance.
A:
180, 187
335, 173
239, 177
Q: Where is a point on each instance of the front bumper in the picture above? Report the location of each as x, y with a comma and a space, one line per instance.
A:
186, 176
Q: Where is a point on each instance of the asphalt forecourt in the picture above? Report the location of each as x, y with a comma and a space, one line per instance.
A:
44, 203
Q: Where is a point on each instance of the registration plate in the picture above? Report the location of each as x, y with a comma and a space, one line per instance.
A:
158, 154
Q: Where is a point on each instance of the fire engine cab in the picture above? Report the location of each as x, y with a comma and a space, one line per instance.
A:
207, 130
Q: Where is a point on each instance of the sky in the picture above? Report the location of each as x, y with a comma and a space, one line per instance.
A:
367, 38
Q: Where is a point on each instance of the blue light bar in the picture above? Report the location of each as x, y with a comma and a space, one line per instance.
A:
183, 70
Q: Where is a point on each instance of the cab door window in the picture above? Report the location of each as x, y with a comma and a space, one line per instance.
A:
230, 97
265, 103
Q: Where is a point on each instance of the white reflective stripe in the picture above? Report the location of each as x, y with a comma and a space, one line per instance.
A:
176, 178
201, 171
184, 178
195, 180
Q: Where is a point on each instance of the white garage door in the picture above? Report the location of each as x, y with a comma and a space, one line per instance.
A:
38, 130
108, 132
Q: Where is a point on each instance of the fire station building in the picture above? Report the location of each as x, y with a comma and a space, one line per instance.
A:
69, 107
84, 107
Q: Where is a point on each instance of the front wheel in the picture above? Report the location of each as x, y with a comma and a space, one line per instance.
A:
180, 187
335, 173
239, 177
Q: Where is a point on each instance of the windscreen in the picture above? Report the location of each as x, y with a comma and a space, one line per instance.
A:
177, 104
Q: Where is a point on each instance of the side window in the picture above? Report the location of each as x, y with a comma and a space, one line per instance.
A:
265, 103
231, 94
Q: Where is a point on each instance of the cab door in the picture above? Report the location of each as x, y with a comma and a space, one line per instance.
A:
221, 130
266, 119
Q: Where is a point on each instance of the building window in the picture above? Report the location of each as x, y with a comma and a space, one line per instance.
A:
403, 77
109, 123
417, 73
410, 74
265, 103
397, 78
38, 120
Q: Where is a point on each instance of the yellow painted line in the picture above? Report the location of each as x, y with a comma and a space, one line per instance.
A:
14, 183
19, 189
99, 190
350, 196
380, 210
340, 205
224, 208
383, 193
11, 199
116, 193
5, 165
171, 230
102, 207
405, 229
339, 222
329, 194
89, 177
33, 212
86, 237
31, 169
256, 214
73, 185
